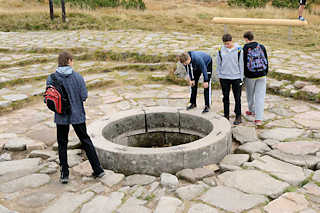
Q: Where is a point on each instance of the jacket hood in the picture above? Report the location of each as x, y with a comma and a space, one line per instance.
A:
64, 71
252, 44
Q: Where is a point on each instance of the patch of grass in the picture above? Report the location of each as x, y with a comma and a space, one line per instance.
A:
291, 189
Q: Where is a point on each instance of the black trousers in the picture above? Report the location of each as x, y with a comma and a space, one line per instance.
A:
81, 131
207, 91
236, 89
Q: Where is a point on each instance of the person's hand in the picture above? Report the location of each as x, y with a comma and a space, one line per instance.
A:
205, 84
192, 83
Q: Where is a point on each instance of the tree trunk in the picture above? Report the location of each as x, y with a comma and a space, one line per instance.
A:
51, 9
63, 11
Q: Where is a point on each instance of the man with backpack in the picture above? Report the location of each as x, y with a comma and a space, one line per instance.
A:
197, 63
230, 72
256, 67
66, 84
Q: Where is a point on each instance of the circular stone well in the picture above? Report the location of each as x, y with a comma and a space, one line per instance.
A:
160, 139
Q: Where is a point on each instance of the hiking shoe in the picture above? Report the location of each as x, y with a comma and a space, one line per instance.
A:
99, 175
238, 120
206, 109
191, 106
301, 18
258, 122
64, 176
250, 113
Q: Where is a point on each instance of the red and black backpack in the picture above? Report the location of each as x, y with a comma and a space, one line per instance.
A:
56, 96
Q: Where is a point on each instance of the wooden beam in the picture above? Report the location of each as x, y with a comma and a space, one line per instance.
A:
258, 21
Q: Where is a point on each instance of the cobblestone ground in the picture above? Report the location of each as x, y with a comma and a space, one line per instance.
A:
273, 169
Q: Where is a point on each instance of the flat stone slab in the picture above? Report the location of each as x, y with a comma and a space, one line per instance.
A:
134, 209
310, 119
83, 169
290, 173
316, 176
299, 147
30, 181
235, 159
15, 97
308, 161
18, 165
44, 154
222, 197
253, 147
15, 146
5, 210
244, 134
5, 157
289, 202
202, 208
169, 180
187, 174
69, 202
111, 179
36, 199
103, 204
168, 205
190, 192
281, 134
139, 180
311, 188
133, 205
201, 173
19, 143
242, 180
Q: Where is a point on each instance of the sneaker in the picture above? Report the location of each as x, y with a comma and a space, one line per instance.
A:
191, 106
238, 120
64, 176
258, 122
301, 18
206, 109
250, 113
99, 175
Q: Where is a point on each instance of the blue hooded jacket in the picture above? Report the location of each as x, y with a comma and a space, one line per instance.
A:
199, 63
75, 86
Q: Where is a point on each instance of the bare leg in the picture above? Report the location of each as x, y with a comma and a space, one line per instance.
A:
301, 8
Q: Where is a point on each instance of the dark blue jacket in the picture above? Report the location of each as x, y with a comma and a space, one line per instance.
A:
75, 86
200, 62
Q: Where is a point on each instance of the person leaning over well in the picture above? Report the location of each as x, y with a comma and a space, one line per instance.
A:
197, 63
75, 87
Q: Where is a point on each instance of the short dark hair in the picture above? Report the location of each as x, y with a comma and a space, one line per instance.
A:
63, 59
226, 37
248, 35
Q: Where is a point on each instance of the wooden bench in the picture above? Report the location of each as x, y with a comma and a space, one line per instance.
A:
259, 21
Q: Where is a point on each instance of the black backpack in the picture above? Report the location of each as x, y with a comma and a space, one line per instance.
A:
56, 97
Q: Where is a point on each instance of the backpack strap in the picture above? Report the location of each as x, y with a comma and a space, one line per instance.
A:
239, 53
219, 53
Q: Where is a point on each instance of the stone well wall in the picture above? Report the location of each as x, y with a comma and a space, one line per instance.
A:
108, 136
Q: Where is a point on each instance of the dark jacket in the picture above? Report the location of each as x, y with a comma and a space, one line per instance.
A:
75, 86
199, 64
247, 73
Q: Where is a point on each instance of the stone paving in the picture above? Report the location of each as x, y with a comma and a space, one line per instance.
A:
231, 189
273, 169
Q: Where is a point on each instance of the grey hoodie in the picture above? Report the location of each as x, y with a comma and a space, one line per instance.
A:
230, 67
